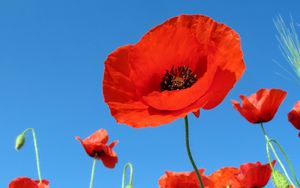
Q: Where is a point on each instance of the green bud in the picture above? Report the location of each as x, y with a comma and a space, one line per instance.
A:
129, 186
20, 141
279, 179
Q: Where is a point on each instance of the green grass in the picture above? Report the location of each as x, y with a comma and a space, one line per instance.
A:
289, 43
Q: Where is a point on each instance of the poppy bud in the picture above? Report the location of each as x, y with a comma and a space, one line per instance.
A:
20, 141
128, 165
279, 179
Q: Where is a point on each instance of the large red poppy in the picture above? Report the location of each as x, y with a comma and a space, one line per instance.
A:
294, 116
24, 182
185, 64
249, 175
183, 180
96, 147
261, 106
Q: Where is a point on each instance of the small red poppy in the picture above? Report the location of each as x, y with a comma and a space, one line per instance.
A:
24, 182
254, 175
96, 147
175, 69
261, 106
294, 116
183, 180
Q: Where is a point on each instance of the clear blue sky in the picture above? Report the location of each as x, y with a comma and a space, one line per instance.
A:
51, 70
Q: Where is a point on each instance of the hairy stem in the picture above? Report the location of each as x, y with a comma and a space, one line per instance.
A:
189, 151
36, 152
128, 165
93, 173
269, 144
287, 160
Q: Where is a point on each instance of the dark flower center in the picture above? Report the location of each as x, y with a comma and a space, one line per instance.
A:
97, 153
178, 78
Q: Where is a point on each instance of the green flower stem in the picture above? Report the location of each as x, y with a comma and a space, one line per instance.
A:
269, 156
269, 144
287, 160
128, 165
189, 151
93, 172
36, 152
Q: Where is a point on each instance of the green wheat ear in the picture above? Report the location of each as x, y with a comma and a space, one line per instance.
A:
279, 180
289, 43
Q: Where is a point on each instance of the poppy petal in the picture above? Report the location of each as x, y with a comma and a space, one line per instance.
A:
138, 115
99, 136
196, 113
183, 180
248, 110
109, 160
255, 174
111, 145
226, 177
25, 182
117, 84
96, 146
172, 43
165, 100
271, 103
294, 116
217, 92
22, 182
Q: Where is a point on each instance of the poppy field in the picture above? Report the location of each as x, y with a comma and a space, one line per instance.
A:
150, 94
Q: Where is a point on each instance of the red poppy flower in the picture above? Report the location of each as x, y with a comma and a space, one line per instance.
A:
260, 106
294, 116
253, 175
96, 147
24, 182
226, 177
183, 180
176, 68
250, 175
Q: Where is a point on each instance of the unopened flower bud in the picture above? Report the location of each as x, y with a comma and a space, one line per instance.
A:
279, 180
20, 141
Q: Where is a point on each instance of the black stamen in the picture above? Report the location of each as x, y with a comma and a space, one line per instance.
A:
178, 78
